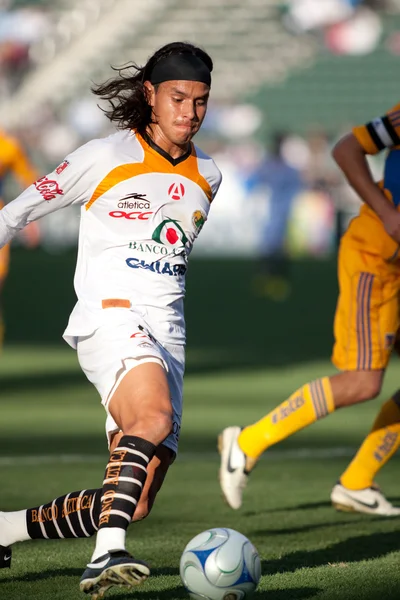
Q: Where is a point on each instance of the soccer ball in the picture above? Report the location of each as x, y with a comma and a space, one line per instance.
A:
220, 564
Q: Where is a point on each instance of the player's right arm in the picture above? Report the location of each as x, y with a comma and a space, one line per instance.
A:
74, 184
350, 154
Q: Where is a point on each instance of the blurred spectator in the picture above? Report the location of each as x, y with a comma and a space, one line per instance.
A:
84, 116
355, 36
283, 182
320, 171
347, 26
19, 29
306, 15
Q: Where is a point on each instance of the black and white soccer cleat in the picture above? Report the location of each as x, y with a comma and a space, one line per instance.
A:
232, 472
5, 557
117, 568
369, 500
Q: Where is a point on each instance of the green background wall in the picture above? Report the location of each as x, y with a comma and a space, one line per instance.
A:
228, 324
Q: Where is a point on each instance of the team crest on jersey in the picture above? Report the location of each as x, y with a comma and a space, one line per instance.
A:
198, 220
176, 191
169, 232
62, 167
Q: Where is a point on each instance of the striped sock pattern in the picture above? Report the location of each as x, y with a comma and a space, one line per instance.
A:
124, 479
74, 515
321, 397
306, 405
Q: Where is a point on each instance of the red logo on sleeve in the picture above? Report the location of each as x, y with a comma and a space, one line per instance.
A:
48, 188
62, 167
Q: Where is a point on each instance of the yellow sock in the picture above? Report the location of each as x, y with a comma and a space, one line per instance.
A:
311, 402
379, 445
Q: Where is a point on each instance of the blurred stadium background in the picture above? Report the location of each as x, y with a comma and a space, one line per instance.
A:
289, 76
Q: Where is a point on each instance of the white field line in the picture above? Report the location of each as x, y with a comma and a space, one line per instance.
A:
295, 454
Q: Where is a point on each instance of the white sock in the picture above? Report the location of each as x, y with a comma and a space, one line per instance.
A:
109, 538
13, 527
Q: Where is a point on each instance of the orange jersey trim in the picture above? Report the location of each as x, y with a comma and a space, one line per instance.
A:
115, 303
153, 162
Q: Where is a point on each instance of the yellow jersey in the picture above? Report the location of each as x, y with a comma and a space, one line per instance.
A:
14, 160
366, 231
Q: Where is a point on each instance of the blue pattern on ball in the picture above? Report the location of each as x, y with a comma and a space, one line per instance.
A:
202, 555
245, 576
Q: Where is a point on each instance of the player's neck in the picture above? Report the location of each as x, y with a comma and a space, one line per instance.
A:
159, 139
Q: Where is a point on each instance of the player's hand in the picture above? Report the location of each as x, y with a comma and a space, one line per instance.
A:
391, 223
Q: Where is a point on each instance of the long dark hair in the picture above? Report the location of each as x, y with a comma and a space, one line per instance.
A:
127, 95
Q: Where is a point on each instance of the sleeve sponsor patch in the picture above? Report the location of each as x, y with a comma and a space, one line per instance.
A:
62, 167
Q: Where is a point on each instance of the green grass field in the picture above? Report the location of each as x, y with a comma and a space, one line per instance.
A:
52, 441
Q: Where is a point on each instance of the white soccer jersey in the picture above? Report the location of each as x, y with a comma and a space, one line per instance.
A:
141, 212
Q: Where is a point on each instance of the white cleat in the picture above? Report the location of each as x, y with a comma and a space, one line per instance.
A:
369, 500
232, 472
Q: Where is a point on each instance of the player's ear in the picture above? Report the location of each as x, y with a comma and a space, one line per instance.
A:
150, 92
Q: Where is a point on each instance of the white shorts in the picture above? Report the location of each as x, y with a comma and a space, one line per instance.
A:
118, 346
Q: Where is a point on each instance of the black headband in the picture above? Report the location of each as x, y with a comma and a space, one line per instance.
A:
184, 66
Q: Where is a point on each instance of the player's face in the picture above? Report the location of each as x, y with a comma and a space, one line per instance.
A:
179, 108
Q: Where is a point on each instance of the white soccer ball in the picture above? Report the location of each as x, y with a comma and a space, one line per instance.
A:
220, 564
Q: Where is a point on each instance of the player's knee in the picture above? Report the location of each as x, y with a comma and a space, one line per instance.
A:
353, 387
367, 386
163, 422
156, 424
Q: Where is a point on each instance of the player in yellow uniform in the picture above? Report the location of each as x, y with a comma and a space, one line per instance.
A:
14, 161
366, 323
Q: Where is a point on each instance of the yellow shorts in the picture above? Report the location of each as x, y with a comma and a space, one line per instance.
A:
367, 312
4, 256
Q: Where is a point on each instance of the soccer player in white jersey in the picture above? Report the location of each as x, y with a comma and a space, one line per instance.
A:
144, 192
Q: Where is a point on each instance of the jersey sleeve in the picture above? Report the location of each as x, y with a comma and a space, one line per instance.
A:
382, 132
70, 183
